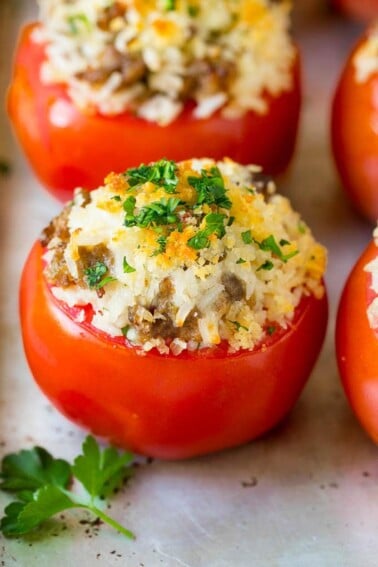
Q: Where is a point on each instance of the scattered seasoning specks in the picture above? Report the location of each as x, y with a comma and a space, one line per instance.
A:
5, 167
251, 483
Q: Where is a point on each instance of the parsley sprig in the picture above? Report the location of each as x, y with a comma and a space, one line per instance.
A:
269, 244
42, 485
154, 214
96, 276
163, 173
214, 225
210, 188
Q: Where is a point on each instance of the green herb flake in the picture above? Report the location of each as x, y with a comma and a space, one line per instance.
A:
104, 281
247, 237
214, 225
95, 274
162, 242
238, 326
210, 188
78, 23
270, 244
116, 198
162, 174
241, 261
125, 330
193, 11
169, 5
271, 330
267, 265
156, 214
199, 240
302, 227
231, 221
127, 269
41, 485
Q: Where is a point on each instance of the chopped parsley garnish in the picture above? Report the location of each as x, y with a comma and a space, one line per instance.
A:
78, 23
154, 214
238, 326
127, 269
271, 330
214, 225
193, 11
162, 242
267, 265
42, 485
241, 261
210, 188
104, 281
116, 198
302, 227
230, 221
270, 243
161, 173
95, 274
169, 5
125, 330
247, 237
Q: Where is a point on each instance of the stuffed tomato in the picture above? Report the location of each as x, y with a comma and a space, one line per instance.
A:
100, 86
178, 309
357, 339
354, 126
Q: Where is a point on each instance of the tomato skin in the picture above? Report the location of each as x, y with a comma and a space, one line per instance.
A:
359, 9
164, 406
354, 133
67, 148
357, 345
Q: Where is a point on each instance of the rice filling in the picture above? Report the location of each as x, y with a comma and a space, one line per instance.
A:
184, 256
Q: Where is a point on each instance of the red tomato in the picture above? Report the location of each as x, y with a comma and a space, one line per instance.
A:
355, 138
164, 406
357, 345
67, 148
360, 9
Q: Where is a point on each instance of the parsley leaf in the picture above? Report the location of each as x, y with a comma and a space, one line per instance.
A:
155, 214
214, 225
22, 517
247, 237
41, 484
241, 261
210, 188
78, 23
270, 243
162, 173
169, 5
30, 470
162, 242
267, 265
94, 274
100, 472
238, 325
127, 269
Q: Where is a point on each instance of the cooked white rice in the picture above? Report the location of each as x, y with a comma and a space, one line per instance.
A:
248, 40
261, 246
366, 58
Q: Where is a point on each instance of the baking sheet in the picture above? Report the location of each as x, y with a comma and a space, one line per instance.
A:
304, 496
